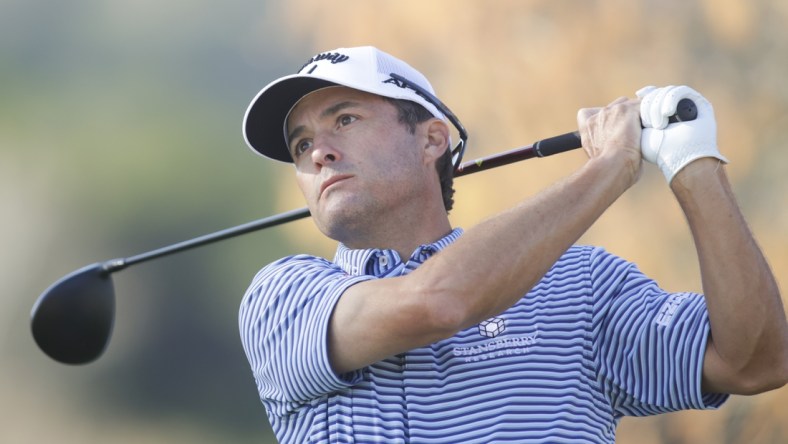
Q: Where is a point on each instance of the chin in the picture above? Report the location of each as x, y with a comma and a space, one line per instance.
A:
342, 222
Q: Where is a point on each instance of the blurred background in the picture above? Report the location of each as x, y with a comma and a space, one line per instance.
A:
120, 133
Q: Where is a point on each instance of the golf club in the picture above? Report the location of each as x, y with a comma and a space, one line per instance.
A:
72, 320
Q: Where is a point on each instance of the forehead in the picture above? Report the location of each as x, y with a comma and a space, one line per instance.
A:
318, 101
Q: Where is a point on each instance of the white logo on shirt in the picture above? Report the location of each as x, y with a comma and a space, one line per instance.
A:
669, 308
497, 348
492, 327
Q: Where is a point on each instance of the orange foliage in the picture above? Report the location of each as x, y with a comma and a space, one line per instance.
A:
516, 71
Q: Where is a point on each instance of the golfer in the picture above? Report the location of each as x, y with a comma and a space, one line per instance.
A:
418, 332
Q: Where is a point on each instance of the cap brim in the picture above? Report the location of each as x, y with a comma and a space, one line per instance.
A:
264, 120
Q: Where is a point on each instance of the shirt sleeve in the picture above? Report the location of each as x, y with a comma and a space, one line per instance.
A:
650, 343
283, 322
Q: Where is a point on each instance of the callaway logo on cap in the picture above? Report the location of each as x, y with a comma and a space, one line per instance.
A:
364, 68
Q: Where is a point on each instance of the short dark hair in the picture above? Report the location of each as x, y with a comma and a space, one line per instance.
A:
411, 114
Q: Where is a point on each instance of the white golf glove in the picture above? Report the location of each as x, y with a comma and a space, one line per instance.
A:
673, 146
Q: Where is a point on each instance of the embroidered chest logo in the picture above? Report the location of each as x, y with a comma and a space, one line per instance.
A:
497, 346
492, 327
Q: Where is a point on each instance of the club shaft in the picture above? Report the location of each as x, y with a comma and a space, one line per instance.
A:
542, 148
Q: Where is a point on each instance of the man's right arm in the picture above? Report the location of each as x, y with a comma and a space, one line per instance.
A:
495, 263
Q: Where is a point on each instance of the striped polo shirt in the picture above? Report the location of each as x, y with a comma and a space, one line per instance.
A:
593, 341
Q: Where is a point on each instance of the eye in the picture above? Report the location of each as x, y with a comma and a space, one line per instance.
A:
346, 119
301, 146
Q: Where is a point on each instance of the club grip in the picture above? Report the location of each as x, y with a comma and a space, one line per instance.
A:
557, 144
685, 112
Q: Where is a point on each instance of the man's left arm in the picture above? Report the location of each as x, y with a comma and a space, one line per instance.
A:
747, 350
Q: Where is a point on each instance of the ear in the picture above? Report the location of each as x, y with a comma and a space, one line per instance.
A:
437, 139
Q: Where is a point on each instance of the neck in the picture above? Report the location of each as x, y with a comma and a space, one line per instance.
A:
402, 235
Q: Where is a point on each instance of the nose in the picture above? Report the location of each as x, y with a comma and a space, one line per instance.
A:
324, 151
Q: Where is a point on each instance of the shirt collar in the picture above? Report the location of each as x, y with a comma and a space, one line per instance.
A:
379, 262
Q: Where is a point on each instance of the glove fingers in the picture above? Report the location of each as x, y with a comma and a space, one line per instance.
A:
659, 119
704, 107
670, 101
650, 142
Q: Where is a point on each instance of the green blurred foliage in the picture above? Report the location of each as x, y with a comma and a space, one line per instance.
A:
120, 133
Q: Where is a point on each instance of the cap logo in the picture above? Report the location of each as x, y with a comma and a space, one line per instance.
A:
397, 82
333, 57
407, 85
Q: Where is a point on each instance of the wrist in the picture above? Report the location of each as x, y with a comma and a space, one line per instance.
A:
698, 174
619, 172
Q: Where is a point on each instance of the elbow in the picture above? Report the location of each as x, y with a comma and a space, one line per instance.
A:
765, 368
770, 375
780, 381
780, 373
775, 379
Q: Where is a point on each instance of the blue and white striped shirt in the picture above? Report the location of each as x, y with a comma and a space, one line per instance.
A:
593, 341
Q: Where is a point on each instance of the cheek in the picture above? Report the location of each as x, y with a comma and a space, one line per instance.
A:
306, 185
402, 161
395, 175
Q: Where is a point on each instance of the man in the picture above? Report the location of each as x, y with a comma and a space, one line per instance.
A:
417, 332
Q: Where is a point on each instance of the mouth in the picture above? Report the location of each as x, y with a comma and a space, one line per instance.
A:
332, 180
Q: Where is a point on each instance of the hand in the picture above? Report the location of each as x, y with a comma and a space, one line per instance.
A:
613, 132
674, 146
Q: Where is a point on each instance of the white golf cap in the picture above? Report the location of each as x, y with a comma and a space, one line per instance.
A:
363, 68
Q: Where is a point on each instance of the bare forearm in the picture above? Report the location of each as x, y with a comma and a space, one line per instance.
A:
749, 337
504, 257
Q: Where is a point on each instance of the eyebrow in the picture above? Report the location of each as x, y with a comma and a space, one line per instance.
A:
330, 111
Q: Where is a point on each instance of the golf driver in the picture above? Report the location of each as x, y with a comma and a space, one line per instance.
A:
72, 320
